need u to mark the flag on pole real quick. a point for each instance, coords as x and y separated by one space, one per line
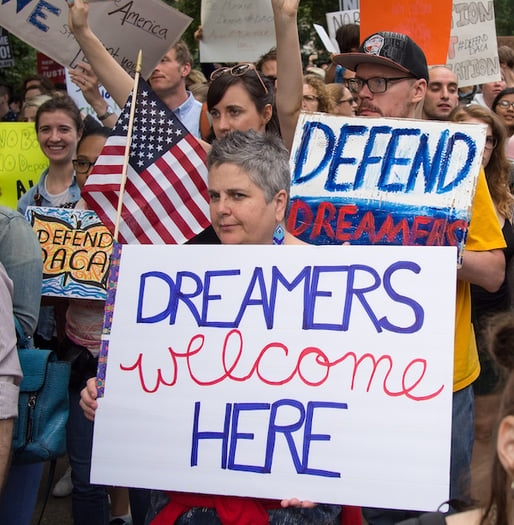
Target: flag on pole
165 200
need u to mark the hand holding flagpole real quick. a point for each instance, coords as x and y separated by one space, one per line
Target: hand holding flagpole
128 144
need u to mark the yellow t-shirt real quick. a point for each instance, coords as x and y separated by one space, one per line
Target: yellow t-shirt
484 234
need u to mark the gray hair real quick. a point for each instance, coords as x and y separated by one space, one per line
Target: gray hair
263 156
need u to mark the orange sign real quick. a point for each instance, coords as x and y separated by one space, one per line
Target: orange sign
428 23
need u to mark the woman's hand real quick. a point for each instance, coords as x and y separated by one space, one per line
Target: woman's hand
296 503
77 15
285 7
88 397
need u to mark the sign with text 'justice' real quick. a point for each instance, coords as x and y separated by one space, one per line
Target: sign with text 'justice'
383 181
317 372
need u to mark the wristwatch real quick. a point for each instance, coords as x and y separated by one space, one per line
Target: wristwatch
105 115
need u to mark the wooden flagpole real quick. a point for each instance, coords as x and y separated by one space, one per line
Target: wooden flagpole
127 145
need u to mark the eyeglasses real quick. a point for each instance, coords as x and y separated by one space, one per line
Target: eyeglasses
505 104
375 84
350 101
490 142
237 71
82 165
309 98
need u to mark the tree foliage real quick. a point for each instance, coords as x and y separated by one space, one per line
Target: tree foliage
24 63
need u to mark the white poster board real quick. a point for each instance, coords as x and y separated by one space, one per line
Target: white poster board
123 28
323 370
236 31
473 52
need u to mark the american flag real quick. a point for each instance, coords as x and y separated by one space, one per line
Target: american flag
165 200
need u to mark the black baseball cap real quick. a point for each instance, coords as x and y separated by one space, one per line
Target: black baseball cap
395 50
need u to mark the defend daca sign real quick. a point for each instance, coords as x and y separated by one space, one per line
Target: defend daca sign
383 181
270 371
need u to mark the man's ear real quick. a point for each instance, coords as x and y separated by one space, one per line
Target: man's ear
186 69
419 89
505 444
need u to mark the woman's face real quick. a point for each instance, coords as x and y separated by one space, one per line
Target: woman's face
506 113
57 136
88 152
28 114
237 111
488 150
238 208
310 98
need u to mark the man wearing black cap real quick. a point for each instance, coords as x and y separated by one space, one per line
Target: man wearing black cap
391 75
391 81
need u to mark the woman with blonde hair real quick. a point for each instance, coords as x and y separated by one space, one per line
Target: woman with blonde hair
315 95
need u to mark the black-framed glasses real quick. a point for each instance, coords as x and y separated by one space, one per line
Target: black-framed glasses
375 84
490 142
237 71
82 165
505 104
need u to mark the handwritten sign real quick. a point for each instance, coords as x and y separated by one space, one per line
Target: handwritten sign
123 26
76 250
473 53
341 18
383 181
270 371
426 22
235 31
21 161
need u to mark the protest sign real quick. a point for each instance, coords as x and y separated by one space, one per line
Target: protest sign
50 69
270 371
21 161
235 31
330 44
427 23
341 18
383 181
123 26
76 250
6 56
473 53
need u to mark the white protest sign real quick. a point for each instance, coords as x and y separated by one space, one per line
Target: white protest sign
383 181
76 94
123 26
235 31
330 45
317 372
473 53
340 18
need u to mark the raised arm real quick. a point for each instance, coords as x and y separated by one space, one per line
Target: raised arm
111 75
289 67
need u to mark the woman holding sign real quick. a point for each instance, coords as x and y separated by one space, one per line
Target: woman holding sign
248 186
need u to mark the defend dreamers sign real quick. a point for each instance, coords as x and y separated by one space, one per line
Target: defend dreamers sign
383 181
270 371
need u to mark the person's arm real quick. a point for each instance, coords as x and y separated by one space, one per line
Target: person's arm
289 68
486 269
111 75
6 429
84 77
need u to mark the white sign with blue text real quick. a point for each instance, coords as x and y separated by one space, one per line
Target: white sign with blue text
317 372
383 181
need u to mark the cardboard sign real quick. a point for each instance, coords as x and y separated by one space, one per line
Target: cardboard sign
473 52
428 23
317 372
21 161
76 252
235 31
123 26
383 181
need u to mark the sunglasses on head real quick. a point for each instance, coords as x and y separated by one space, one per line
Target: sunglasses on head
237 71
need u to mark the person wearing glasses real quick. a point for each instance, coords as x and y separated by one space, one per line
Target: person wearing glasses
503 106
488 385
391 77
315 96
343 102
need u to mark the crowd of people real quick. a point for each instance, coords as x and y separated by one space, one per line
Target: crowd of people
245 117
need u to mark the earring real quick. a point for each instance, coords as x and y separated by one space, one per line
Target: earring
278 235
